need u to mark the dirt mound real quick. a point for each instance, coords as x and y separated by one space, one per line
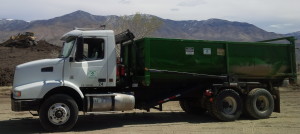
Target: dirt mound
10 57
22 40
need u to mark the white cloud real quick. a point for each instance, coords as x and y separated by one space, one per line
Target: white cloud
191 3
281 25
125 1
174 9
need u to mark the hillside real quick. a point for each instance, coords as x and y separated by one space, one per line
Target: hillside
213 29
10 57
295 34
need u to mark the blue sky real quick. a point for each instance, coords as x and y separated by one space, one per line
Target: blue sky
280 16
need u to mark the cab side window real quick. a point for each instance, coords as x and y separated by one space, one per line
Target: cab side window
93 49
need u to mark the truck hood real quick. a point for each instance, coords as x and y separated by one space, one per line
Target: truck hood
43 62
39 70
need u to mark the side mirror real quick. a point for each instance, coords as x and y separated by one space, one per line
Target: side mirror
79 49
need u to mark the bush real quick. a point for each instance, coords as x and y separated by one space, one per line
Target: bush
6 76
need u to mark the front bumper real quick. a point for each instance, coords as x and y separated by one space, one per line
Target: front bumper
24 105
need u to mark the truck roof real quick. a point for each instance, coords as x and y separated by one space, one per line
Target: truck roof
82 32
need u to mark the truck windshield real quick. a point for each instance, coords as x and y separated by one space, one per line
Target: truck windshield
67 47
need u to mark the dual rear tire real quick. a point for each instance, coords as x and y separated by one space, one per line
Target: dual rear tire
227 105
259 103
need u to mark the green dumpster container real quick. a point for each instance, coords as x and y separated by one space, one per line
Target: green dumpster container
175 60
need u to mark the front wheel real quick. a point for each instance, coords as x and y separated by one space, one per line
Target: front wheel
226 106
58 113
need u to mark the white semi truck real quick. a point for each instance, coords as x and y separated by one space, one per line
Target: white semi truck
215 76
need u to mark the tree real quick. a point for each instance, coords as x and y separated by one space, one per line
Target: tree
141 25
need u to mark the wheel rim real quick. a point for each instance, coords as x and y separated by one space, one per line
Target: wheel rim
262 103
229 105
59 113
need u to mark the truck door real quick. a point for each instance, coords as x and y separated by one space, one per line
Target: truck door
89 67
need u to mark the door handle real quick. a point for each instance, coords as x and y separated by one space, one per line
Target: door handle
101 80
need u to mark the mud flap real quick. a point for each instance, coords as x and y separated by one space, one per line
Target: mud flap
276 100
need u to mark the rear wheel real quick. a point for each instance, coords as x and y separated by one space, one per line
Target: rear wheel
259 103
191 106
227 105
58 113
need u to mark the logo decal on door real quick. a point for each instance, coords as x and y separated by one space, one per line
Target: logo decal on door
92 74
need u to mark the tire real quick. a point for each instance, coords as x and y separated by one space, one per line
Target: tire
226 105
58 113
259 103
191 107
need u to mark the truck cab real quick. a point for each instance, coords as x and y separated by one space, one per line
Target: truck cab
90 64
87 61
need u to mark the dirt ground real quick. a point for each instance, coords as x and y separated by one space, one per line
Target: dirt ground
170 121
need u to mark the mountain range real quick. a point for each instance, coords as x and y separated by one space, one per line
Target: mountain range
295 34
212 29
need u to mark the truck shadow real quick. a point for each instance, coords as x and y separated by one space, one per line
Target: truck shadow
20 125
107 121
99 122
